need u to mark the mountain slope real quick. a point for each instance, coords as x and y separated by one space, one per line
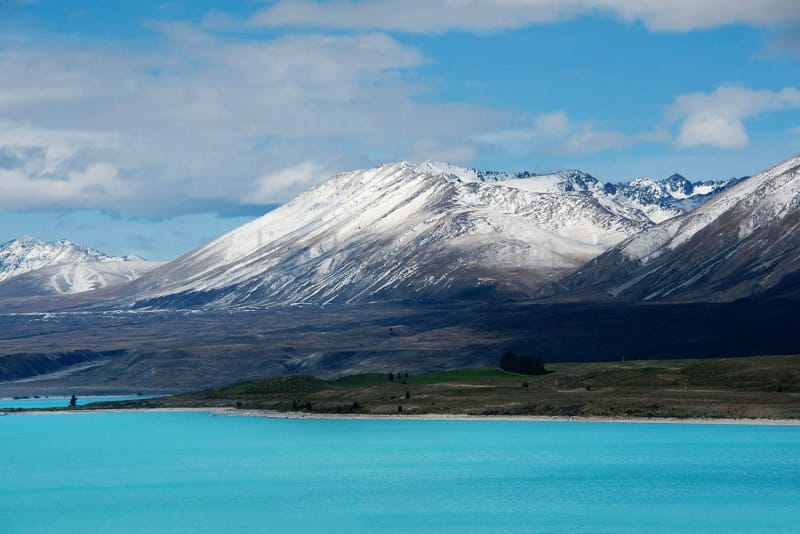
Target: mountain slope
396 232
668 198
31 267
28 253
656 201
742 243
71 278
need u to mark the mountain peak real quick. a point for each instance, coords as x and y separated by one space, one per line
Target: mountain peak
741 243
678 187
27 253
400 231
23 240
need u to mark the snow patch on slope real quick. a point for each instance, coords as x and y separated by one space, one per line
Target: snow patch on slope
31 266
421 229
27 254
768 196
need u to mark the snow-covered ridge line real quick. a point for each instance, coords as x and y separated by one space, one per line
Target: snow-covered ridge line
403 231
27 253
668 236
656 200
743 243
29 266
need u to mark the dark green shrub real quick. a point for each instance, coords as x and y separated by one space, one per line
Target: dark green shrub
524 365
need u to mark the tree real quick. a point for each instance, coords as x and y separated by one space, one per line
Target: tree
508 361
73 401
524 365
390 377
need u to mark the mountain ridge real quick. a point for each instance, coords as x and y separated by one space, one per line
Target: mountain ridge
402 231
31 267
396 230
741 243
658 200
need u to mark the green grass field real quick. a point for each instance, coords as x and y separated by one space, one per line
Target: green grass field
757 387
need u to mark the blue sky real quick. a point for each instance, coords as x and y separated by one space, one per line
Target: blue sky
150 127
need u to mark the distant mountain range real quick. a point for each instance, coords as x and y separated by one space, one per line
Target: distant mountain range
417 232
30 267
743 243
446 267
437 232
657 200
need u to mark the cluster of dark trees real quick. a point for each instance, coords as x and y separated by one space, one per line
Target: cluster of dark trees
524 365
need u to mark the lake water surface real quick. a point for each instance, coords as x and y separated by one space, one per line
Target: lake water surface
52 402
196 472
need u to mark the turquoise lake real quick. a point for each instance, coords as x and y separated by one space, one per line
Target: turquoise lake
51 402
197 472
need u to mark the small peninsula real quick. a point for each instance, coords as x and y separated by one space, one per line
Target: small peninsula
765 387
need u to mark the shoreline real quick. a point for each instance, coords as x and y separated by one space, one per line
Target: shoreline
272 414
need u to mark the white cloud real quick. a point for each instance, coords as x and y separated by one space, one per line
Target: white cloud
434 16
300 175
712 129
590 140
96 184
42 168
456 153
736 101
555 133
553 123
717 118
596 141
205 119
547 126
208 120
786 40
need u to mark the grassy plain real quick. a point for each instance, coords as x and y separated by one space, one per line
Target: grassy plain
752 387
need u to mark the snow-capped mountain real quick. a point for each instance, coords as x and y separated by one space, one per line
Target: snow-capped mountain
657 200
29 267
563 181
28 253
743 242
400 231
668 198
68 278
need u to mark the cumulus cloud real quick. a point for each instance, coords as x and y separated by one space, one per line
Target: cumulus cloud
42 168
459 153
717 118
556 133
596 141
201 121
300 175
545 126
434 16
712 129
206 120
97 183
590 140
787 40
